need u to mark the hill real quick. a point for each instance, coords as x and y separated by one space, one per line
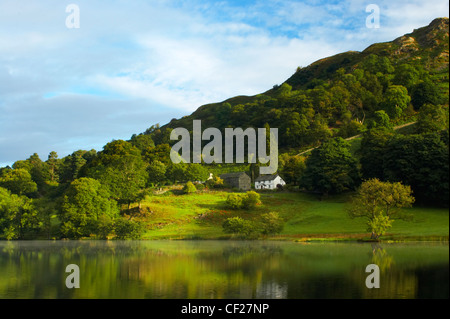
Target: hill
339 95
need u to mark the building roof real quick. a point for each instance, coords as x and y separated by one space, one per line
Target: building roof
231 175
264 178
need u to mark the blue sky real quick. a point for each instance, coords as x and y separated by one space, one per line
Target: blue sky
132 64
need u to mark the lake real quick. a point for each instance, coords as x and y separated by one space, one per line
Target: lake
222 270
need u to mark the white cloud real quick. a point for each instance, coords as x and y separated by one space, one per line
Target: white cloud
134 64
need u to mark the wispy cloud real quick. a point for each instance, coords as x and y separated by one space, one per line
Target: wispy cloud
132 64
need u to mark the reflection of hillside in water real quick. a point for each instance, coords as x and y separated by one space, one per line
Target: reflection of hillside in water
220 269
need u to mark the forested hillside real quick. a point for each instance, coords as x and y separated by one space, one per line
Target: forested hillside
341 95
354 93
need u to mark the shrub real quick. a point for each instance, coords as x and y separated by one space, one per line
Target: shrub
189 188
271 223
199 186
239 226
215 182
235 201
128 229
246 201
250 200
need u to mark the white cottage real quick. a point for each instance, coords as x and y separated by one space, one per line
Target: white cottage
269 181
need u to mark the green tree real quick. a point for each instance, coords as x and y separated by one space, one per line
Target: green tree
406 75
189 188
159 153
40 172
156 172
124 177
380 203
380 120
73 165
196 172
250 200
86 206
421 161
121 168
292 168
271 224
234 201
117 149
18 181
396 100
176 172
18 216
128 229
297 129
378 64
372 151
425 92
239 226
350 129
142 142
53 164
432 118
331 169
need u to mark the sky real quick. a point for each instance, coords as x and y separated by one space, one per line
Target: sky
131 64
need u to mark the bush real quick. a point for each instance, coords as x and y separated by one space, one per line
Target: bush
250 200
235 201
271 223
246 201
215 182
239 226
199 186
128 229
189 188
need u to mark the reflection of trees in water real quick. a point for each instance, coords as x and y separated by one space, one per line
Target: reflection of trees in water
381 257
206 270
395 282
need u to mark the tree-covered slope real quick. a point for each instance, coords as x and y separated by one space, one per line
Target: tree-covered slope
341 95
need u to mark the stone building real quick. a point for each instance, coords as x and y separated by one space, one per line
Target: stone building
238 180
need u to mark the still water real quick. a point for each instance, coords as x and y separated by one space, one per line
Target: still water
222 269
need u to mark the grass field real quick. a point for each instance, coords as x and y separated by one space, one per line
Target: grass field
200 216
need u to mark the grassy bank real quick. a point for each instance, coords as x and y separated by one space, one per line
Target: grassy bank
172 215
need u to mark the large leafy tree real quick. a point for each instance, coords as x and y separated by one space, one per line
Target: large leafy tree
331 169
425 92
124 177
406 75
420 161
142 142
156 172
72 165
292 168
86 209
18 216
159 153
396 100
372 152
18 181
380 203
121 169
432 118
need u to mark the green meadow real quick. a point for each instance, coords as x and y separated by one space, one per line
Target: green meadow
173 215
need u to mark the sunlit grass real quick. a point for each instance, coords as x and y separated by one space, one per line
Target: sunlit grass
200 216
